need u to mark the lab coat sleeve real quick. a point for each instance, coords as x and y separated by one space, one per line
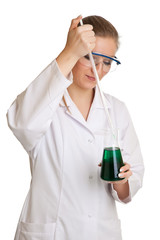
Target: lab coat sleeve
32 112
131 153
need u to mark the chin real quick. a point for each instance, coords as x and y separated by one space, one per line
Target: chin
89 86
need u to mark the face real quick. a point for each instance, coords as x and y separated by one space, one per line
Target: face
83 76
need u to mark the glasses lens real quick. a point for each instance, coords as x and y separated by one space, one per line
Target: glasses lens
85 61
109 65
113 66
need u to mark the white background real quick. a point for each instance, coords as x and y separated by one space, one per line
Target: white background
33 32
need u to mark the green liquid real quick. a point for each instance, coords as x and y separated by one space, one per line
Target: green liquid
111 164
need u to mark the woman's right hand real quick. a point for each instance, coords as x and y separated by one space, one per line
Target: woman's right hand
81 40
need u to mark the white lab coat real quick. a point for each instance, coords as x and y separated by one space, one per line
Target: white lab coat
67 199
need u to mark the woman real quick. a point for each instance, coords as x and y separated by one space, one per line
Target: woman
57 119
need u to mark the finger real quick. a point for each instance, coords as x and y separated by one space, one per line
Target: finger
86 27
90 43
92 46
87 36
125 168
75 22
92 39
125 174
87 32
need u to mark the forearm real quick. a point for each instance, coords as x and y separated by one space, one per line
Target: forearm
122 190
66 62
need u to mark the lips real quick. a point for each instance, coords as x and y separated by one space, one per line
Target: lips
91 78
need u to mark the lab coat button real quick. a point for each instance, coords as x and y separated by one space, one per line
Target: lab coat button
90 177
90 140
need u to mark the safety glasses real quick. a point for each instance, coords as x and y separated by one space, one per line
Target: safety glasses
108 63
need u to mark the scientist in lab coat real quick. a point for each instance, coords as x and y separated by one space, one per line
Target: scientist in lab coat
57 119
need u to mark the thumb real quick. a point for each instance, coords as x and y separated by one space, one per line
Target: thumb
75 22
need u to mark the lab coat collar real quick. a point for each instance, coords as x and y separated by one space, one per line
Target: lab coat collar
73 111
97 102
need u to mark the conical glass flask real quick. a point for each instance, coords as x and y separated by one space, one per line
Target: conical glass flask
112 159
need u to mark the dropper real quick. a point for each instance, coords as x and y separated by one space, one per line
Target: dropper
101 93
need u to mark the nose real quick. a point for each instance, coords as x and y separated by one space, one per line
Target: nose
99 67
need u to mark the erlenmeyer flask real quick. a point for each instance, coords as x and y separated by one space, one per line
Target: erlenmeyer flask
112 159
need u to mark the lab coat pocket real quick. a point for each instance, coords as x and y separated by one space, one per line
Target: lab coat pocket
36 231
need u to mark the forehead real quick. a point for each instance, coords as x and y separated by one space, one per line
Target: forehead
105 45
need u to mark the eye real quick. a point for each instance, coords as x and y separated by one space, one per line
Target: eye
86 57
107 63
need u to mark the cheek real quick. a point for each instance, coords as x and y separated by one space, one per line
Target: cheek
78 70
102 75
76 74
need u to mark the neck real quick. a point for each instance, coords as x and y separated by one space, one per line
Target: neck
80 95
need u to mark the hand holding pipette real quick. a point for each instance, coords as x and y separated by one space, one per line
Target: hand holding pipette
80 41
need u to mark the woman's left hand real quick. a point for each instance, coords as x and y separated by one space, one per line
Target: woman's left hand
125 172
